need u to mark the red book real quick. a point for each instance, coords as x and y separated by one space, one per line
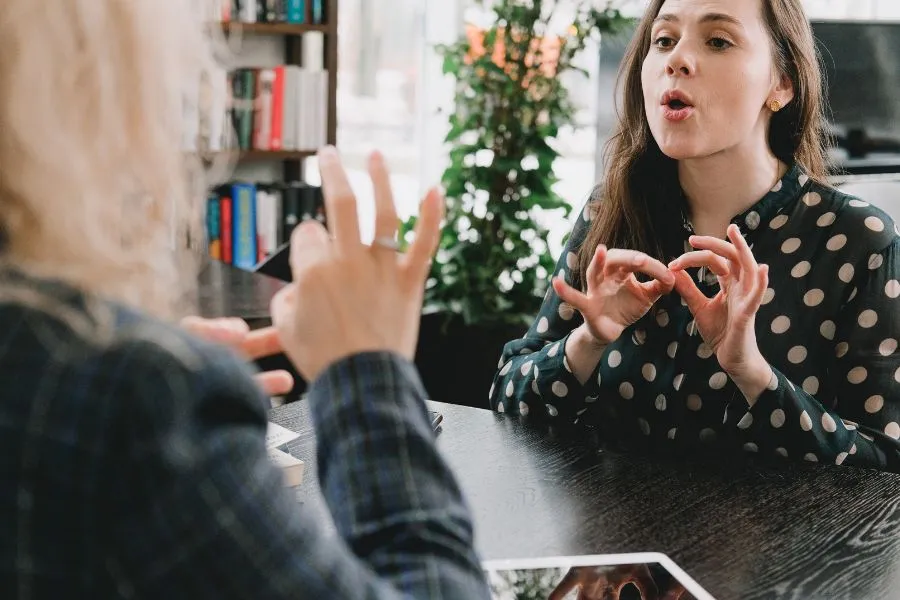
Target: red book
277 109
226 229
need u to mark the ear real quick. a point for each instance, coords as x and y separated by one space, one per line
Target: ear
783 90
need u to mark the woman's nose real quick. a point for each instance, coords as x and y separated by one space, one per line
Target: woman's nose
680 62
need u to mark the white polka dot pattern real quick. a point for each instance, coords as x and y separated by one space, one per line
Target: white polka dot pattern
827 325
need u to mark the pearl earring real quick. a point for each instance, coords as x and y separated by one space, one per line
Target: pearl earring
775 106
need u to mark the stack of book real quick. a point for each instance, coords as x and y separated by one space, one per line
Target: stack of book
247 222
267 11
278 108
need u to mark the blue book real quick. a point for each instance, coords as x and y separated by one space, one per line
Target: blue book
318 11
296 11
243 197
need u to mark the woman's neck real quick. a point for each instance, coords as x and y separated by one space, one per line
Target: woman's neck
726 184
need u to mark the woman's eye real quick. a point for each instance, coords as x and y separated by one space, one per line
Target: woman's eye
720 43
663 42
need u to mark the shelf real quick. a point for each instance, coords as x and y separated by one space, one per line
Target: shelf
262 155
274 28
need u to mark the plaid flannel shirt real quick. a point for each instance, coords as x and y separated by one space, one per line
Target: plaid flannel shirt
135 466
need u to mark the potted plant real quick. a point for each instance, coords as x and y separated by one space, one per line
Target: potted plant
492 266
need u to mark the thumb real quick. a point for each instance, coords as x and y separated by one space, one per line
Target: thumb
687 289
309 245
282 308
569 295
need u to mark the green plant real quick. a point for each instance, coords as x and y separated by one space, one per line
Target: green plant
493 264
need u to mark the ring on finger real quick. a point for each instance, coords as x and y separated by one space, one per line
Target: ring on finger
386 242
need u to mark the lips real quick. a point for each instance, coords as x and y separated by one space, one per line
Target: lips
676 100
676 106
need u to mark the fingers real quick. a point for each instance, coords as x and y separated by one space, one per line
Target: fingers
629 261
386 221
229 331
701 258
745 255
566 585
340 203
762 282
656 288
688 290
261 342
428 230
281 307
594 273
569 295
309 245
720 247
275 383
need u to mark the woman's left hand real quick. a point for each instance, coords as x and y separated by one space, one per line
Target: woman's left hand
236 334
726 321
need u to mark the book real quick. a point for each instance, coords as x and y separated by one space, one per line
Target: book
291 467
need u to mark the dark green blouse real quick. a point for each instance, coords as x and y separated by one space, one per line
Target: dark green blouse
829 327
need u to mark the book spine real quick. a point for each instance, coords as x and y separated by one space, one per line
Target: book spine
225 205
262 121
291 209
296 11
318 11
213 224
244 223
277 114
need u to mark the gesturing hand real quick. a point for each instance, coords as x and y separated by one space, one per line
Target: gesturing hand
606 583
251 344
345 297
615 298
726 321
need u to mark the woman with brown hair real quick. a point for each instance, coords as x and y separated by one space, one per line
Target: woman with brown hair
716 294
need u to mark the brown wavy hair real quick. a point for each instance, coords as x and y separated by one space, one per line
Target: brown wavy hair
635 203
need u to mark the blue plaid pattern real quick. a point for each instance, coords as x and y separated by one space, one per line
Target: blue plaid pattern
133 465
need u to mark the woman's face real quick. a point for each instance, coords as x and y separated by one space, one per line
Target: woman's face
708 77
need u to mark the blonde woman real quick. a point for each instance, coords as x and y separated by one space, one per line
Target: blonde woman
132 454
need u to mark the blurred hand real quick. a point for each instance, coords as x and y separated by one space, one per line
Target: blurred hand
236 334
727 320
346 297
615 298
606 582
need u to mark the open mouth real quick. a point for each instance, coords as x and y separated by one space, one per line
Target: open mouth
676 104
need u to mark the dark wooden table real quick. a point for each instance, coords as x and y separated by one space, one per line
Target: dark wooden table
752 532
226 291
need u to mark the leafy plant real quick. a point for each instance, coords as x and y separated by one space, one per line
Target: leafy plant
493 263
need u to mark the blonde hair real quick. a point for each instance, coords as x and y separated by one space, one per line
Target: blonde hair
95 188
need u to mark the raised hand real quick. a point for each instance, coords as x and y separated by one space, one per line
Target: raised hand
346 297
727 320
615 298
236 334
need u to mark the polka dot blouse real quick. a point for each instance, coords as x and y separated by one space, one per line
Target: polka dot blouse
829 327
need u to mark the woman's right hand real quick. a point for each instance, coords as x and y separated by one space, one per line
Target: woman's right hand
615 298
347 298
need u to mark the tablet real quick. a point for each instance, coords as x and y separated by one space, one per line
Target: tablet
278 265
644 576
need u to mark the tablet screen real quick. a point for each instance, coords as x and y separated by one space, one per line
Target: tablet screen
647 576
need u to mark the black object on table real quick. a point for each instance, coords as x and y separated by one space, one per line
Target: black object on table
227 291
748 532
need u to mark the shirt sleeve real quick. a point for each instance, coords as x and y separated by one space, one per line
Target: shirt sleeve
855 421
533 376
196 508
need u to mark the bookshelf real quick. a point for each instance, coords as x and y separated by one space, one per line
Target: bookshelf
292 33
268 118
